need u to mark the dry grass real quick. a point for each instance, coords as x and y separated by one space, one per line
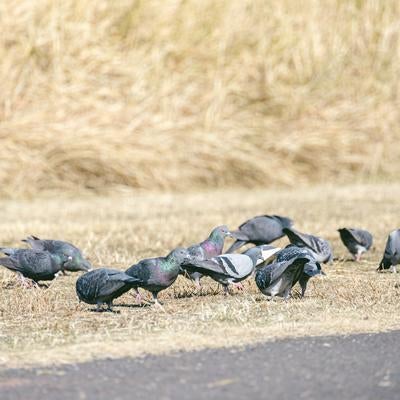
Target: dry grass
49 326
180 94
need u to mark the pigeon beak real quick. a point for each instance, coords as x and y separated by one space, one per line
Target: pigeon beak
322 273
86 266
232 235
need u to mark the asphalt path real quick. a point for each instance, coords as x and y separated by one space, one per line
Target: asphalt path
365 366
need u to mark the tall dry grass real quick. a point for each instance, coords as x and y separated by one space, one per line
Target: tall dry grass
185 93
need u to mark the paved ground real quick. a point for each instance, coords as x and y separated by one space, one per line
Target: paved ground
352 367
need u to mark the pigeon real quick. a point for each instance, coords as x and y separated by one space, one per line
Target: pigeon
310 269
156 274
34 265
357 241
103 285
319 248
229 269
263 229
391 256
75 262
278 278
211 247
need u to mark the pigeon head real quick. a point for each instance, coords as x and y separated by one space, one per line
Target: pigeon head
179 255
74 260
386 263
220 232
312 268
255 253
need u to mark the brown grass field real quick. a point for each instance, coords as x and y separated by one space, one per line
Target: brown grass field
43 326
185 94
130 127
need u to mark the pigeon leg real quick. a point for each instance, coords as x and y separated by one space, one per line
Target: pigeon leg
138 296
394 269
110 306
157 302
197 283
358 256
35 284
303 284
238 285
24 281
98 306
287 293
58 274
226 290
303 289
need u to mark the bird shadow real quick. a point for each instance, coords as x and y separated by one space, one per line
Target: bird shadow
143 305
344 259
104 310
12 286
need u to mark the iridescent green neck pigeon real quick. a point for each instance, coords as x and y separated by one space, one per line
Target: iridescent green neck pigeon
75 259
35 265
391 256
263 229
157 274
320 248
211 247
103 285
357 241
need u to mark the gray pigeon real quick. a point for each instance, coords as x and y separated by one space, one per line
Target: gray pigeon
75 260
320 248
229 269
35 265
263 229
310 269
103 285
211 247
357 241
391 256
156 274
278 278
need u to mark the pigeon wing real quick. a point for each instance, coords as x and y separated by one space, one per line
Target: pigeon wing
35 242
205 267
264 229
362 237
318 245
115 280
393 244
144 270
88 286
36 263
236 265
